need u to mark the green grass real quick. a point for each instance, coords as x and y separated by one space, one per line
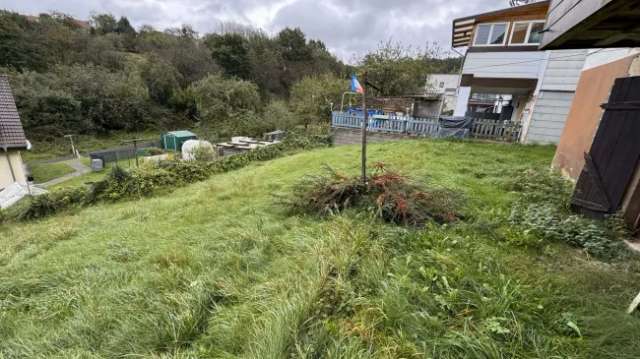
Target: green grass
219 269
83 143
43 172
91 177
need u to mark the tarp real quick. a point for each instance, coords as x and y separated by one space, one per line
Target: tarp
454 127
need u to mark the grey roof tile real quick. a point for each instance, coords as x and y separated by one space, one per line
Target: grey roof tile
11 131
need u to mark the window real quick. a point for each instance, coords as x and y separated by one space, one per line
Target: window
527 33
535 35
491 34
519 35
441 84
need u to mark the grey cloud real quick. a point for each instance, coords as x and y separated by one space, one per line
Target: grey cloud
347 27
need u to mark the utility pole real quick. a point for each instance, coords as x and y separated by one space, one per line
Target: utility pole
73 147
364 128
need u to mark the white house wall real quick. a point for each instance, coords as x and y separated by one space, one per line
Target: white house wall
563 70
500 64
11 169
549 116
559 81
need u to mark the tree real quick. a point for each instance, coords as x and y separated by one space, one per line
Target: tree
230 52
161 79
124 27
294 45
398 70
104 23
277 116
217 97
313 97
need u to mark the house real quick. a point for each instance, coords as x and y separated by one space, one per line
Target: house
12 139
599 146
445 87
504 65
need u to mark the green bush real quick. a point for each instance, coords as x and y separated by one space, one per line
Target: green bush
542 209
387 195
53 202
186 172
139 182
120 184
150 151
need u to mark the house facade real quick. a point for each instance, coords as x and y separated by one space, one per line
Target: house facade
503 62
599 146
12 139
445 87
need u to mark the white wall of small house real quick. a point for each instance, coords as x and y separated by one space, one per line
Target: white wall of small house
554 96
504 64
448 82
11 168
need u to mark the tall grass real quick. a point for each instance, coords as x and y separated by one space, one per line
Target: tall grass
218 269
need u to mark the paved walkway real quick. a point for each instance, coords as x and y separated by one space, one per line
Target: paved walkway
76 164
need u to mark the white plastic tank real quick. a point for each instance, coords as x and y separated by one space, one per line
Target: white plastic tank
191 148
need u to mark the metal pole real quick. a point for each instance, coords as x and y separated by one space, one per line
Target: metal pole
135 148
364 128
73 147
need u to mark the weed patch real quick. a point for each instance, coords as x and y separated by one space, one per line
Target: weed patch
542 211
387 195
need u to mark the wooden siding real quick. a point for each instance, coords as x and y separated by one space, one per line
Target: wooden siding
514 65
549 116
563 70
462 36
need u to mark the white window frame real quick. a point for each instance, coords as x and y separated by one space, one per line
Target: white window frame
506 33
526 39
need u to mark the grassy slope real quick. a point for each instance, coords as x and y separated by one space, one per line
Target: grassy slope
84 143
43 172
219 269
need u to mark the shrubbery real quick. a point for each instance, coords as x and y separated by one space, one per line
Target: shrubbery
542 209
387 195
120 184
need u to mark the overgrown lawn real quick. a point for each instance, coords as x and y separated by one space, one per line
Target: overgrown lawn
221 269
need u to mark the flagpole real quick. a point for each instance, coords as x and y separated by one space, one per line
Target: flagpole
364 128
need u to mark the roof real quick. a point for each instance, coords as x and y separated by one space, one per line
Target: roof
587 24
463 27
11 131
182 133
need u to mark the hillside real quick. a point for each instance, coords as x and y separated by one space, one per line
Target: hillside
220 269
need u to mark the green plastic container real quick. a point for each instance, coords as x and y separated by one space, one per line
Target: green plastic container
175 139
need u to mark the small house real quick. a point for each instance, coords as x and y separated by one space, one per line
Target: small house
175 139
12 139
503 61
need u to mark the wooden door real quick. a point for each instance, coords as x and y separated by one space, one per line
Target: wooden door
615 153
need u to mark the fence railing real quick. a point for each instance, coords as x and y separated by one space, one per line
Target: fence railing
498 130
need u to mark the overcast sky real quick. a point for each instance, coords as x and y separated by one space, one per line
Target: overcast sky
349 28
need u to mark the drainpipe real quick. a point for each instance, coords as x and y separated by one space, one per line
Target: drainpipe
464 60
